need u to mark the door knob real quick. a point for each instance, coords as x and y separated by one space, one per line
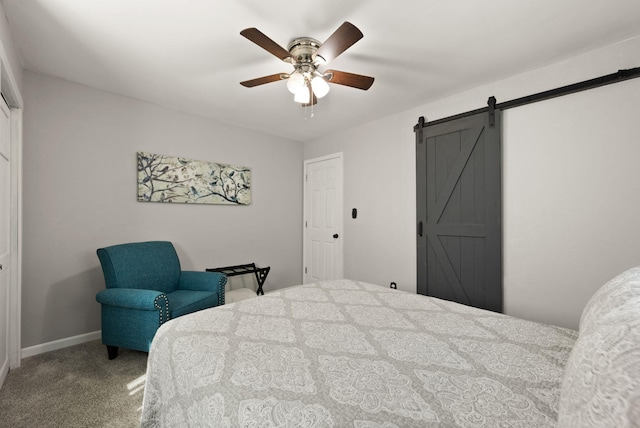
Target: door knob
335 236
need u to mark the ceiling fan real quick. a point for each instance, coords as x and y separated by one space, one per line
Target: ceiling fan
306 81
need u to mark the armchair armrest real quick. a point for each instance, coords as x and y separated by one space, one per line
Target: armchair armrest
202 281
132 298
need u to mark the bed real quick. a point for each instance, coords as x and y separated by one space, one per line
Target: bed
351 354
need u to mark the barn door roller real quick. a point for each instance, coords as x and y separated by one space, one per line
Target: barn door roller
492 111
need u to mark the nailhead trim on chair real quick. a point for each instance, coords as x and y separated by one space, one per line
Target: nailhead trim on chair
157 304
221 291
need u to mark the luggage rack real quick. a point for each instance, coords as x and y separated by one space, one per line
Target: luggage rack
260 273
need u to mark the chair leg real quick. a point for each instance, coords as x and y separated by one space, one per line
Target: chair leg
112 351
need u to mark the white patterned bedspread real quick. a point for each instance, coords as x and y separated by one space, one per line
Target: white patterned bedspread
350 354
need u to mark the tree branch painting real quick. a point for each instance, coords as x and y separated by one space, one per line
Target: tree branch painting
178 180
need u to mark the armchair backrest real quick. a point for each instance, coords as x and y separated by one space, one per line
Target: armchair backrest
152 265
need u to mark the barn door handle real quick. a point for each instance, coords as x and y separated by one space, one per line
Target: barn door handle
335 236
420 228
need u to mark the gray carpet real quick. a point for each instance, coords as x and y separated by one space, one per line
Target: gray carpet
75 387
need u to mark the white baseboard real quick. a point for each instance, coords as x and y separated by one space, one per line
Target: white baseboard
59 344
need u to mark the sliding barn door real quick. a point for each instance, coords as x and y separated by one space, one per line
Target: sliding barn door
459 251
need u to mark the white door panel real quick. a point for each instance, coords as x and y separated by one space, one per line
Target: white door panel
323 219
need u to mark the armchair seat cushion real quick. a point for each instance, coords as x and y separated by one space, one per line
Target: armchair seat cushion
183 302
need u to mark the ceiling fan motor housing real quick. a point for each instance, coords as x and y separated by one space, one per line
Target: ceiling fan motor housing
303 51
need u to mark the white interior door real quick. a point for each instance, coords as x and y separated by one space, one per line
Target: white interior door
5 237
323 195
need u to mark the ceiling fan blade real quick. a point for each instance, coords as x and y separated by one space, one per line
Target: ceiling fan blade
260 39
314 99
262 80
349 79
343 38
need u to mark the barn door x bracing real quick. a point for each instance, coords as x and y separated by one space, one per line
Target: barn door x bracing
458 172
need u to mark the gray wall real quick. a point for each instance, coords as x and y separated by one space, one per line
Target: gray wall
80 188
379 180
379 160
572 199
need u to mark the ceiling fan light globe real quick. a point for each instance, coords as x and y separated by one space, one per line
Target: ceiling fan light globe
302 96
295 82
320 86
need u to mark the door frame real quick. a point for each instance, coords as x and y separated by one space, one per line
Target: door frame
15 281
339 217
13 98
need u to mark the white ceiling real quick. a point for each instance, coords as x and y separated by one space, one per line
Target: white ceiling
188 54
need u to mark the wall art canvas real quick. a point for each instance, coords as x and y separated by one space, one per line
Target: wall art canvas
179 180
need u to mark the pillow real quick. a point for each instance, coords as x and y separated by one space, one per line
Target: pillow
614 294
601 384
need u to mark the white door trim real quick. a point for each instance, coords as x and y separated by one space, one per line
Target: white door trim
339 217
12 95
15 283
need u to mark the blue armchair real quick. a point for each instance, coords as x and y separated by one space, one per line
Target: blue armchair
146 288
